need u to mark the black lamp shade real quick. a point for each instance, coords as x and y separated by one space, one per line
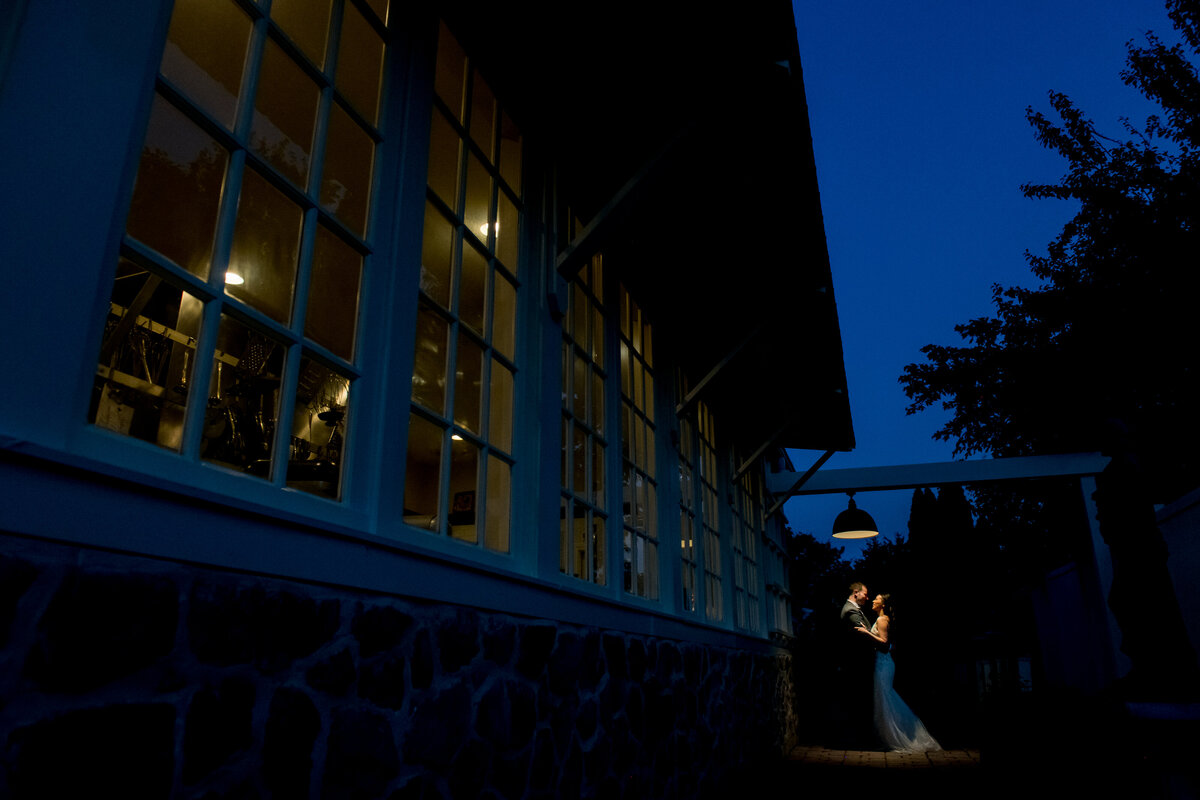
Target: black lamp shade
854 523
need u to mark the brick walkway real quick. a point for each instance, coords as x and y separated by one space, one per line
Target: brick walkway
944 759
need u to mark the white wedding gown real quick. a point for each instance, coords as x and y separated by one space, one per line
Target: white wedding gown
898 727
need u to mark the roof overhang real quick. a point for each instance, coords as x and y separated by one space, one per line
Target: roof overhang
684 138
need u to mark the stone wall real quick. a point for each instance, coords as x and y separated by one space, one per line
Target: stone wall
155 679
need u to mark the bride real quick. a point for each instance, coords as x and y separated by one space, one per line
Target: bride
898 727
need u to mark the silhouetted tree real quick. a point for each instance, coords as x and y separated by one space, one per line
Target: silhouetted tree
1108 332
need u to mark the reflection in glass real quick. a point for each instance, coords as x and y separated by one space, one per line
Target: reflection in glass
360 63
285 114
444 144
504 317
472 296
243 399
307 23
317 446
332 309
206 53
144 372
436 253
451 75
464 473
499 485
468 385
423 473
500 407
598 549
346 176
429 368
266 241
178 190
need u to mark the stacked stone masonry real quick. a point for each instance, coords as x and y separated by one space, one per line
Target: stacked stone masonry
138 678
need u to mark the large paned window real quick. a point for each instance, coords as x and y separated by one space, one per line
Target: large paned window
689 504
583 504
714 606
747 530
458 479
233 324
639 489
591 327
779 601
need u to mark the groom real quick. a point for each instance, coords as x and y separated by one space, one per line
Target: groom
858 670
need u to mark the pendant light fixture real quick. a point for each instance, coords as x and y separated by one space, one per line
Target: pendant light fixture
854 523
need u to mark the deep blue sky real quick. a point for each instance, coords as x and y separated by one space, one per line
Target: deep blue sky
921 142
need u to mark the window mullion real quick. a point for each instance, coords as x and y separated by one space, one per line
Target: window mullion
280 446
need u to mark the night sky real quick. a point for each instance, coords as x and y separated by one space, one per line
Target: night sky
918 122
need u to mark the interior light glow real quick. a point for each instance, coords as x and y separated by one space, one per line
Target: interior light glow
233 279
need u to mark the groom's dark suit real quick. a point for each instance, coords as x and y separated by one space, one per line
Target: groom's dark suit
858 671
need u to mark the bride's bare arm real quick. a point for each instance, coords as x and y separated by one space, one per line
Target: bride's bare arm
882 627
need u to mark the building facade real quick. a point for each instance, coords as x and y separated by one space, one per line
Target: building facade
391 393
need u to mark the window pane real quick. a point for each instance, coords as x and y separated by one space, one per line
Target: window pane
318 425
360 63
507 228
579 315
346 176
499 490
579 462
597 337
473 292
598 403
285 113
266 240
464 476
178 190
580 384
206 53
444 144
243 403
451 71
510 153
436 253
598 550
479 196
565 456
598 474
144 373
423 473
307 23
504 317
564 535
380 7
333 294
429 368
501 408
468 385
483 114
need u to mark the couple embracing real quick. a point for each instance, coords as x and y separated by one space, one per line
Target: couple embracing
868 670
